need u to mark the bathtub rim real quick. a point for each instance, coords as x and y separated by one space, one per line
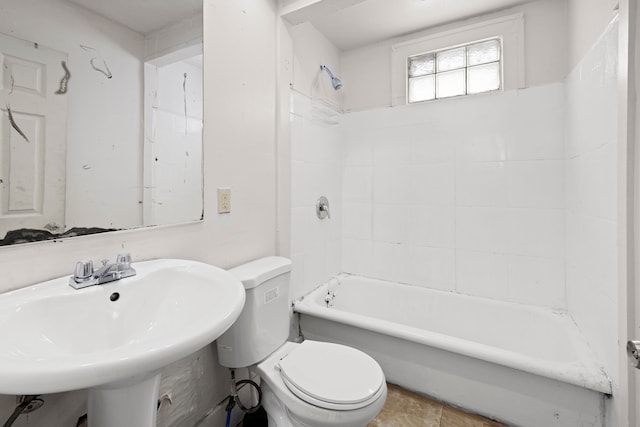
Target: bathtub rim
584 372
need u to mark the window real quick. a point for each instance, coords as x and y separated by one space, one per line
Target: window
462 70
482 56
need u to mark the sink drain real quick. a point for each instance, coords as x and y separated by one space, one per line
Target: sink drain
114 296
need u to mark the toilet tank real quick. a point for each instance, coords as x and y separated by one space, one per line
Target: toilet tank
263 325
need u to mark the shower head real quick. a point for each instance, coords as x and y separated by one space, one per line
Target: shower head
335 82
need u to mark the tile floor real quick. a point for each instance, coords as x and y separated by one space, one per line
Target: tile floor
404 408
407 409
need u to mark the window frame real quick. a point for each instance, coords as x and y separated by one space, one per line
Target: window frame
465 67
510 29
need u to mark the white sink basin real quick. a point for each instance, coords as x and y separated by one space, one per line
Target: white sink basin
55 338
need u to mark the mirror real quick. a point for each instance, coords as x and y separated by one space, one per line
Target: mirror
100 116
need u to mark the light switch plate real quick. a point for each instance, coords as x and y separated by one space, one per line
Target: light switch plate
224 200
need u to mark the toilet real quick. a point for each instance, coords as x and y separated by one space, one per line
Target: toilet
310 384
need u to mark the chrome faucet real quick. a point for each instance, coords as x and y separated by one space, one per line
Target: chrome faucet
85 276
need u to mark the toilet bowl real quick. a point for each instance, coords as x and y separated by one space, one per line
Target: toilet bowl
320 384
308 384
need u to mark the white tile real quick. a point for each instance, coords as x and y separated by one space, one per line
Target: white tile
310 181
357 220
481 274
392 261
582 184
303 142
532 137
315 271
393 147
481 184
391 223
322 144
537 281
299 184
536 232
536 184
432 145
369 119
408 115
482 229
334 257
592 250
298 289
331 227
392 184
432 225
357 184
434 267
592 182
358 147
476 145
599 329
433 183
357 257
300 225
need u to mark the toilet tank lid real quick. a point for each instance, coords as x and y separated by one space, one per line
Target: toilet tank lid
256 272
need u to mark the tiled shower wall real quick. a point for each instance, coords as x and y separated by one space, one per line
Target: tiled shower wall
476 195
316 153
463 195
590 176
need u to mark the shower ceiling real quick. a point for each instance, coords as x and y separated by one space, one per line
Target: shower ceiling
352 23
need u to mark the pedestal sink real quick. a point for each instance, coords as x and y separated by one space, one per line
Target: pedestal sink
113 338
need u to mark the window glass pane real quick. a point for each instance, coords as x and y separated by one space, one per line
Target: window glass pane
483 78
464 70
451 59
484 52
422 88
421 65
451 83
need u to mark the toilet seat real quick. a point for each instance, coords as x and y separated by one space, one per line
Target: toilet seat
332 376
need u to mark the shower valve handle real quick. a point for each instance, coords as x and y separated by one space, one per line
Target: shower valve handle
322 208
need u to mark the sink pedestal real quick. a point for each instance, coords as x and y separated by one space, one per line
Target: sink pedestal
126 403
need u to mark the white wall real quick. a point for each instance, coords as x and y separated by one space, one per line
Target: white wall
586 21
462 195
94 144
591 202
310 50
239 152
366 71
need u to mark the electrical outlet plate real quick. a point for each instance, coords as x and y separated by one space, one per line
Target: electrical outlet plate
224 200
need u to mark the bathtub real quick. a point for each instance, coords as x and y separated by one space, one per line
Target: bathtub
522 365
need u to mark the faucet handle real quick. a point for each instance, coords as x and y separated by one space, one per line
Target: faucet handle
84 270
124 259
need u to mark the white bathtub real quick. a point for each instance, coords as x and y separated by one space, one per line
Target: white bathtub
523 365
